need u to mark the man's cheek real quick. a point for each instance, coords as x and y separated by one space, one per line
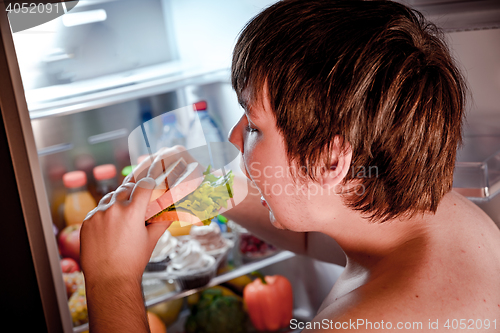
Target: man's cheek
243 167
254 170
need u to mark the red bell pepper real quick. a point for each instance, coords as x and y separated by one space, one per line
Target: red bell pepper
269 301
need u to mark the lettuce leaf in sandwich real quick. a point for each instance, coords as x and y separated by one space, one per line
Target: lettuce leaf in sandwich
207 200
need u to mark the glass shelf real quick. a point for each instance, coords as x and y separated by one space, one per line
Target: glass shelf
477 170
242 270
239 271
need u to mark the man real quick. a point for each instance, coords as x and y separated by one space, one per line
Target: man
353 114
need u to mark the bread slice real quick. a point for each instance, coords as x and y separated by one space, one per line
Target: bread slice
184 218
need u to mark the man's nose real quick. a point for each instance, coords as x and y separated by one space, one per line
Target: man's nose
236 134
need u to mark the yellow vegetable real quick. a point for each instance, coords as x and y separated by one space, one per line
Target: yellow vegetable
193 299
176 229
167 311
225 291
240 282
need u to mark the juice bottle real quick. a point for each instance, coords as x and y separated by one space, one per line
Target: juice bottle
78 200
86 163
58 195
105 176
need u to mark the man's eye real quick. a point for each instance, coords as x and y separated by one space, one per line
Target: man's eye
250 129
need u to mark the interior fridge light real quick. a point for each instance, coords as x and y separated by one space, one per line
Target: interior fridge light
90 16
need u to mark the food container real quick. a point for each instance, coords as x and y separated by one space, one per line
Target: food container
253 248
190 266
167 311
212 242
196 279
160 257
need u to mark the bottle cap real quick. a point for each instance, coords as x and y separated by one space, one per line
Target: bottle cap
222 219
127 170
200 106
105 171
74 179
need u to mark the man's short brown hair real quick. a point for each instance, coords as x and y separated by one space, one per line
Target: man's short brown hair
374 73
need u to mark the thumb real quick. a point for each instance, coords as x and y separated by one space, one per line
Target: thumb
141 194
155 231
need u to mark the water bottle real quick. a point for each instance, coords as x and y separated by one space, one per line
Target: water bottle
210 129
212 135
171 135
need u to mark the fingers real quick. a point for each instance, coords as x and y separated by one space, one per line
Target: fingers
106 199
158 167
141 194
129 179
138 194
155 164
123 192
165 158
154 233
141 170
90 214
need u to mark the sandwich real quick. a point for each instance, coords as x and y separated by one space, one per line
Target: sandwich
189 194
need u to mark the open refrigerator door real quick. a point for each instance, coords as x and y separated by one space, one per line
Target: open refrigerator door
90 87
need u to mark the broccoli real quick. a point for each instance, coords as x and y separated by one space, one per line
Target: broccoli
215 313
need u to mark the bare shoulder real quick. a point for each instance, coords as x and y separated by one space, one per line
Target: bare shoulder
403 313
454 204
468 224
454 286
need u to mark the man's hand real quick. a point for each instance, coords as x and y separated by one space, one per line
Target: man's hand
155 164
115 247
115 243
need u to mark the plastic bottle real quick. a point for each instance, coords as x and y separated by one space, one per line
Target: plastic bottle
222 222
58 195
105 176
86 163
171 135
212 136
210 129
78 200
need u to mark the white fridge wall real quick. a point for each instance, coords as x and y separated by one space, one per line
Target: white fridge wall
206 31
133 35
477 53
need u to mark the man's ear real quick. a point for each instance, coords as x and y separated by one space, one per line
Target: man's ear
340 163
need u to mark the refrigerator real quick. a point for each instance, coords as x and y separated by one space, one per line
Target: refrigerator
74 87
